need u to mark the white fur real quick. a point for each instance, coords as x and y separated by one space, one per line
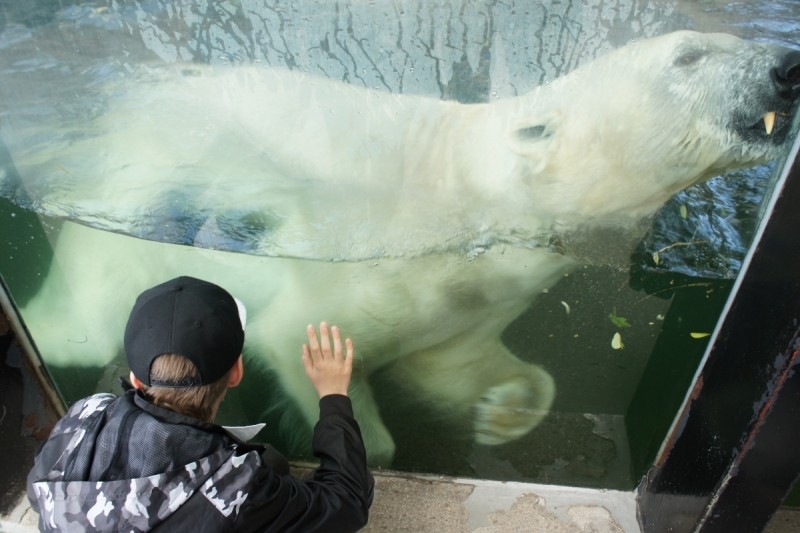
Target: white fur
417 183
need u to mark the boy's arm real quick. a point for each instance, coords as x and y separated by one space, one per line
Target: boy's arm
338 498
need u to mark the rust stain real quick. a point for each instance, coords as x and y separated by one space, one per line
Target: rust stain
41 434
698 387
29 420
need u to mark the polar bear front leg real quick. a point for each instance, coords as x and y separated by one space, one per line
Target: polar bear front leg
505 396
377 439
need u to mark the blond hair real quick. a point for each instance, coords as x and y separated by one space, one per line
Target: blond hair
199 402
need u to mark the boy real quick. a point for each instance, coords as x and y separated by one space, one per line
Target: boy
153 459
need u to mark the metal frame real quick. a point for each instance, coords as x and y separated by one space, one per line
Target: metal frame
23 336
730 458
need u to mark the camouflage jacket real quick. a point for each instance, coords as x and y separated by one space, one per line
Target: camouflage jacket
123 464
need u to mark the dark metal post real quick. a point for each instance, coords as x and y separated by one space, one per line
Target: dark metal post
733 457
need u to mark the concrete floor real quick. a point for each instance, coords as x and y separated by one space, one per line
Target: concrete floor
423 505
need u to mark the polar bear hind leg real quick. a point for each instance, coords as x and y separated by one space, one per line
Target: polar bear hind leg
506 397
511 409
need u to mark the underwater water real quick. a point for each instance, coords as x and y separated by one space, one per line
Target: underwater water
262 145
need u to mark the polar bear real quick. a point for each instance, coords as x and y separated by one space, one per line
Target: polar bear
421 227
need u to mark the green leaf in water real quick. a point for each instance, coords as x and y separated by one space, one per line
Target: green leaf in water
619 321
684 214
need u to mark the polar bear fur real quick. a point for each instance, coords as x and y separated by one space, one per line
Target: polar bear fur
442 212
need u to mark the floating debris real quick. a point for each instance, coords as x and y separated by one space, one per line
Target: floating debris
657 253
616 341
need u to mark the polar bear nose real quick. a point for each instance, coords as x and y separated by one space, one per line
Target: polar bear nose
786 77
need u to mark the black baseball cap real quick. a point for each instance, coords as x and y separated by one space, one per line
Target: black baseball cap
189 317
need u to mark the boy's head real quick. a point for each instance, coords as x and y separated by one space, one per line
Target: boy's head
183 343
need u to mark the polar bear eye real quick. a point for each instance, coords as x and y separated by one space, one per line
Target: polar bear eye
532 132
684 60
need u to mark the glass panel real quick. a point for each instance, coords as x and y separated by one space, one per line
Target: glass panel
528 215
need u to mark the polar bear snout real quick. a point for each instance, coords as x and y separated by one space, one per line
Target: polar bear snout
786 77
762 90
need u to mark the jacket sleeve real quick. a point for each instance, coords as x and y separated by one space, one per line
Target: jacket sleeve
338 497
54 454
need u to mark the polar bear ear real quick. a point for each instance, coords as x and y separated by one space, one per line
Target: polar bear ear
535 138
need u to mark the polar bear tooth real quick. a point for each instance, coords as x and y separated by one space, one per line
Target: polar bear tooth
769 121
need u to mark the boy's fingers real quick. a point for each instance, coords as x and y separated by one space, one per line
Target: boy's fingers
307 362
337 342
349 356
325 340
313 343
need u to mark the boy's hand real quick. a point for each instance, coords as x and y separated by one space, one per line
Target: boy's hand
328 371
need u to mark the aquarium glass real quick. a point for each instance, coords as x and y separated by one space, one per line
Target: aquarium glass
527 215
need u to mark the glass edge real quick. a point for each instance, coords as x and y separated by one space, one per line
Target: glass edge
775 194
43 378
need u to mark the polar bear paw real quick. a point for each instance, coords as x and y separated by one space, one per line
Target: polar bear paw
380 451
511 409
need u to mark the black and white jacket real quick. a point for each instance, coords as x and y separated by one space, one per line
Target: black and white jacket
122 464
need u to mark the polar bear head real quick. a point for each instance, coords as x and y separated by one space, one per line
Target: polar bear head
619 136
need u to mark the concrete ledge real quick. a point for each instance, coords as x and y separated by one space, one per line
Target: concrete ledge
431 504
